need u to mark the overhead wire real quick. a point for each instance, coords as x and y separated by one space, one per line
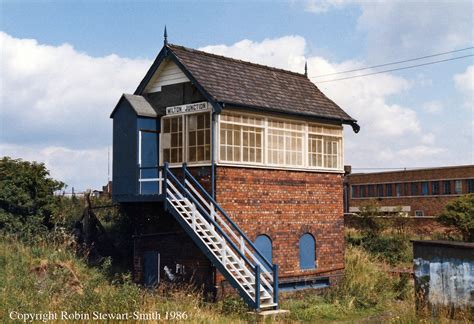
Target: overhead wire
396 69
393 63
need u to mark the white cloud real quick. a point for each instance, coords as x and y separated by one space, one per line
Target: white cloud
421 151
55 104
433 107
57 95
428 138
464 82
400 29
320 6
286 52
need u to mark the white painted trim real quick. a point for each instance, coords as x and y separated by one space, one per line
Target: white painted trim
356 209
271 167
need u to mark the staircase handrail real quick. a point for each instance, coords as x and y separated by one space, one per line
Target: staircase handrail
208 217
208 196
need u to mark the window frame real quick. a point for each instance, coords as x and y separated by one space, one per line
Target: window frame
241 162
185 139
305 135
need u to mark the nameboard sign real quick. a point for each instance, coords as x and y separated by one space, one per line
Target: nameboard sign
189 108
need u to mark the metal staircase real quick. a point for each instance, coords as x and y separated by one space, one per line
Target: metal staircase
221 240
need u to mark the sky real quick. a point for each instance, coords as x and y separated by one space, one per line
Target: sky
64 65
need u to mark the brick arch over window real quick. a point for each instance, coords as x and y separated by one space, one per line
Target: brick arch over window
307 249
264 244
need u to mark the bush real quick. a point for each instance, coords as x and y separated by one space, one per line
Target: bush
27 200
392 248
459 213
371 222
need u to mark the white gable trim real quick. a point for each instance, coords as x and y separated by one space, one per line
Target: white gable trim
167 73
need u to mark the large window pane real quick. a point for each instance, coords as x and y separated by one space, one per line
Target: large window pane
285 146
172 139
199 134
238 142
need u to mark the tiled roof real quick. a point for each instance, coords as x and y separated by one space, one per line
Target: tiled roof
239 83
141 106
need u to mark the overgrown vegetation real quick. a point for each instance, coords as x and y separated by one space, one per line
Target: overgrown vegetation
48 277
365 291
460 214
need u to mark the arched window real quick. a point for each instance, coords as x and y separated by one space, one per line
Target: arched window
264 244
307 252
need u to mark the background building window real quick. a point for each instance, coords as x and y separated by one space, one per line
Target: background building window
199 137
172 139
307 252
470 185
406 187
388 190
398 188
354 191
424 188
435 188
362 192
264 244
458 187
419 213
447 187
371 190
414 188
380 190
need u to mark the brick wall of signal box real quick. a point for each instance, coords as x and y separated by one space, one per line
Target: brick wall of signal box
284 205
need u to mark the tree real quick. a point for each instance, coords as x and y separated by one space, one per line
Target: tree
459 213
26 194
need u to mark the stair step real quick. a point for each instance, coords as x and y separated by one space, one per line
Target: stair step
267 305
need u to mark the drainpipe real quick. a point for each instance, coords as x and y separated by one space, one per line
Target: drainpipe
213 147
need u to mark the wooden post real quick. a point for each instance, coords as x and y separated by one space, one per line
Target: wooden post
165 184
275 284
257 287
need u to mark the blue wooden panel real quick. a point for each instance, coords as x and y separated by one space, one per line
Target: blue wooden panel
147 123
124 151
307 251
264 245
151 268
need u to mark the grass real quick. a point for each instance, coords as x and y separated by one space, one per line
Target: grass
365 291
47 276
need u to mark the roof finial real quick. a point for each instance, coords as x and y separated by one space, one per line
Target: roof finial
306 68
165 41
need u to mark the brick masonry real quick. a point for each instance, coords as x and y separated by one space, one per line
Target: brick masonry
431 204
284 205
281 204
